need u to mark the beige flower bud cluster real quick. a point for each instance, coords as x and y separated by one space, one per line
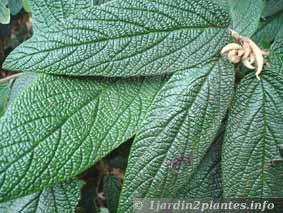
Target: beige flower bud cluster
245 51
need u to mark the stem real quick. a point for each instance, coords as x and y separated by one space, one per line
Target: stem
10 77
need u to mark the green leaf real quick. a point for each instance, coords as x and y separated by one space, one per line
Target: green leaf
206 182
15 6
57 8
223 3
59 126
269 29
179 129
4 97
252 165
272 7
61 198
111 189
246 15
127 38
49 12
277 49
4 12
20 84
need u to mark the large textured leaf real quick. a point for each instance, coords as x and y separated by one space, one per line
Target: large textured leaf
252 161
206 182
269 29
246 15
20 84
58 127
277 49
127 38
49 12
178 131
4 97
61 198
223 3
272 7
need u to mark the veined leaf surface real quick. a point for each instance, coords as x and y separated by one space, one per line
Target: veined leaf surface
178 131
246 15
59 126
126 38
62 197
252 155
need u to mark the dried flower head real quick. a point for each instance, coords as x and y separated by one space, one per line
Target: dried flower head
246 51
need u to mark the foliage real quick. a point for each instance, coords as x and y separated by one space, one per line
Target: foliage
101 73
62 197
4 97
